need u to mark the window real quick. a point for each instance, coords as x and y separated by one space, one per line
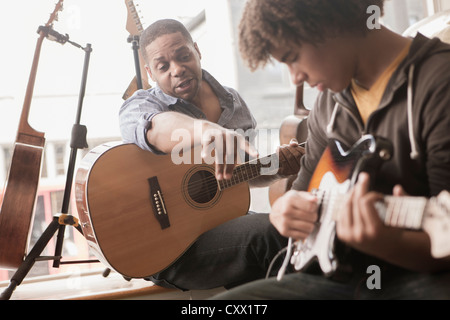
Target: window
401 14
60 152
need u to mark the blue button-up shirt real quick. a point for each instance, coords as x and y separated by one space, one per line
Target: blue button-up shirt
137 112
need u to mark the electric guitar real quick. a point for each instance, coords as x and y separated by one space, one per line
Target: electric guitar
17 210
335 174
135 28
139 211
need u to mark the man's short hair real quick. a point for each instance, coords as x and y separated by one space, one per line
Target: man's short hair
269 23
160 28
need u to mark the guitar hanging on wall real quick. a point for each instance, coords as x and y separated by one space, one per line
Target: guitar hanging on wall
17 210
135 28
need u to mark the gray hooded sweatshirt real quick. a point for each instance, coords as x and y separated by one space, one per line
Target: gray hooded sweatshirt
414 114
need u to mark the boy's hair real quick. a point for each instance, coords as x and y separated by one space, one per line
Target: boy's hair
269 23
160 28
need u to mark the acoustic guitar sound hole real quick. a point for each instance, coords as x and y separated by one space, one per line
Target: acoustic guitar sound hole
202 186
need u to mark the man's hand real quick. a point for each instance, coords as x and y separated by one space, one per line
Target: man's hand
289 158
226 147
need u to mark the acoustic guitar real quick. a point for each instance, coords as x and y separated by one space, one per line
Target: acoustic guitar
135 28
17 210
140 211
335 174
293 126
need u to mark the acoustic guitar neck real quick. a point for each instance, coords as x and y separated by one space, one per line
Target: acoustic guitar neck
26 134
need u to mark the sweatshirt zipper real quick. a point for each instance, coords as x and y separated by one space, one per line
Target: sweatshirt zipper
357 117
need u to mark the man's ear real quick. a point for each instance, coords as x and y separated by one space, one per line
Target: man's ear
198 50
149 71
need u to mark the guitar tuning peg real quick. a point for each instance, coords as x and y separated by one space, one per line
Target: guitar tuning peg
61 5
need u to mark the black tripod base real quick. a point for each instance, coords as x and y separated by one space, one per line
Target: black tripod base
7 293
35 253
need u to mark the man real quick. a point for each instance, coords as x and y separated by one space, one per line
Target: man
189 98
372 81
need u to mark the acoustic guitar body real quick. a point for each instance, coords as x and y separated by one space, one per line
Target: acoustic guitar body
17 209
140 211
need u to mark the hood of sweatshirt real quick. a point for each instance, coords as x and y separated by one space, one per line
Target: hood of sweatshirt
412 114
422 49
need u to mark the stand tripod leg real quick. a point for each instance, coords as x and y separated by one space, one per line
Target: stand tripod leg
29 261
78 141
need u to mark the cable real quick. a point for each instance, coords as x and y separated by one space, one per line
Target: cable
287 249
282 270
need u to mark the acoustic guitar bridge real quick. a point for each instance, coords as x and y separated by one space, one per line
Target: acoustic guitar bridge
157 200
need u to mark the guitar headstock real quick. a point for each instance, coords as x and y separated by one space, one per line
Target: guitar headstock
437 224
54 15
135 28
134 24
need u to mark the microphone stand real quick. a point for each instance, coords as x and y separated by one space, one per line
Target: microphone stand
78 141
135 46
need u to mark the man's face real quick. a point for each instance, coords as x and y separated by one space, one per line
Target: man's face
174 64
328 65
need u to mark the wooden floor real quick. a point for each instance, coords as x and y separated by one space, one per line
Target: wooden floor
92 285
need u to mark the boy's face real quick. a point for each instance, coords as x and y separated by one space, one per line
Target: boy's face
328 65
174 64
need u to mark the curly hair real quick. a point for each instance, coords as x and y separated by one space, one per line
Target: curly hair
269 23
